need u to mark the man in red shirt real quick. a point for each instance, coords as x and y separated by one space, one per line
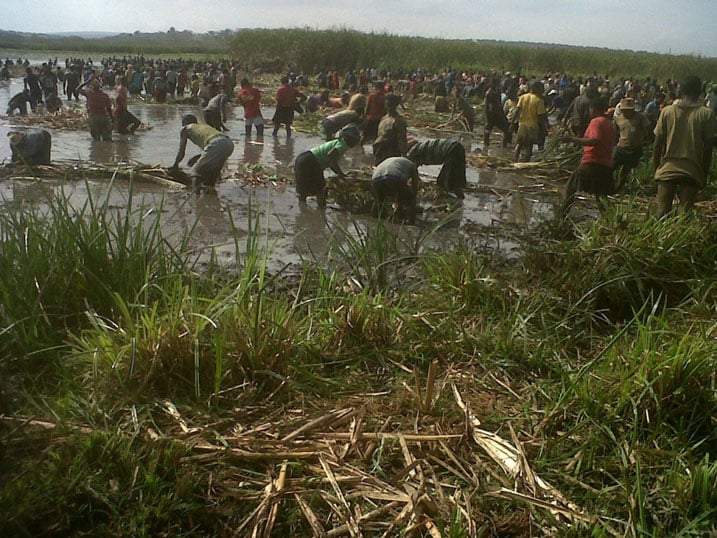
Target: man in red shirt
250 98
594 173
99 110
287 96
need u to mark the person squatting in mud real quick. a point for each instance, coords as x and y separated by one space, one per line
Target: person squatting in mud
309 166
31 148
395 183
19 102
216 149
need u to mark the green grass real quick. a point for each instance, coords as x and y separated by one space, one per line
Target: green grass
595 349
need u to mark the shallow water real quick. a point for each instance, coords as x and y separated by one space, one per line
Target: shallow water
290 232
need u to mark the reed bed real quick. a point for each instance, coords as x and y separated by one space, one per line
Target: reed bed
390 389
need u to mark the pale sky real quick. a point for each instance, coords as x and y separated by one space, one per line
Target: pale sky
670 26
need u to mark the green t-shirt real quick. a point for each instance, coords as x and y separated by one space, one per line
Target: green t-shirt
322 152
685 128
201 134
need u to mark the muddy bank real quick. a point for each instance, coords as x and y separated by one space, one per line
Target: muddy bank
258 188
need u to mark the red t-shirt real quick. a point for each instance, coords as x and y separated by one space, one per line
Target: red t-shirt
249 97
286 95
603 129
97 102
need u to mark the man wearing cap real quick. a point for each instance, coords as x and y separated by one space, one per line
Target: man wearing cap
684 137
216 149
631 126
99 110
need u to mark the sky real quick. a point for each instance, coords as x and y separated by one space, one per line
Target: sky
667 26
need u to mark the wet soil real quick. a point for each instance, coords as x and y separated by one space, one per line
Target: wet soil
258 194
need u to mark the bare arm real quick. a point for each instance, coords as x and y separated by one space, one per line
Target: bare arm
334 157
182 147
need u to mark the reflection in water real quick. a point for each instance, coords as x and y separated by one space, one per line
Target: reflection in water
283 154
211 214
100 152
310 232
252 151
122 148
519 209
29 191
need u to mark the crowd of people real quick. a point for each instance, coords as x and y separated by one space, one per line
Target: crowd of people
612 120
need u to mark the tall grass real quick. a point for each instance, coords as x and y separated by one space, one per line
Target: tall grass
306 49
59 261
597 351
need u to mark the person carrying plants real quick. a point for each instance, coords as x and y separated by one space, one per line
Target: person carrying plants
594 173
684 138
309 166
216 149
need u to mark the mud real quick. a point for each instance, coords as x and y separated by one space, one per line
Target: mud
258 192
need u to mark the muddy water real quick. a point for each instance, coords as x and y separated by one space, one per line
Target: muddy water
290 234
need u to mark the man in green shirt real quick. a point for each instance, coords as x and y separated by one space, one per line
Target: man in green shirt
632 126
309 166
684 137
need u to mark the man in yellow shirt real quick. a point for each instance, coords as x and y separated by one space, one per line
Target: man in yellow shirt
529 115
216 149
